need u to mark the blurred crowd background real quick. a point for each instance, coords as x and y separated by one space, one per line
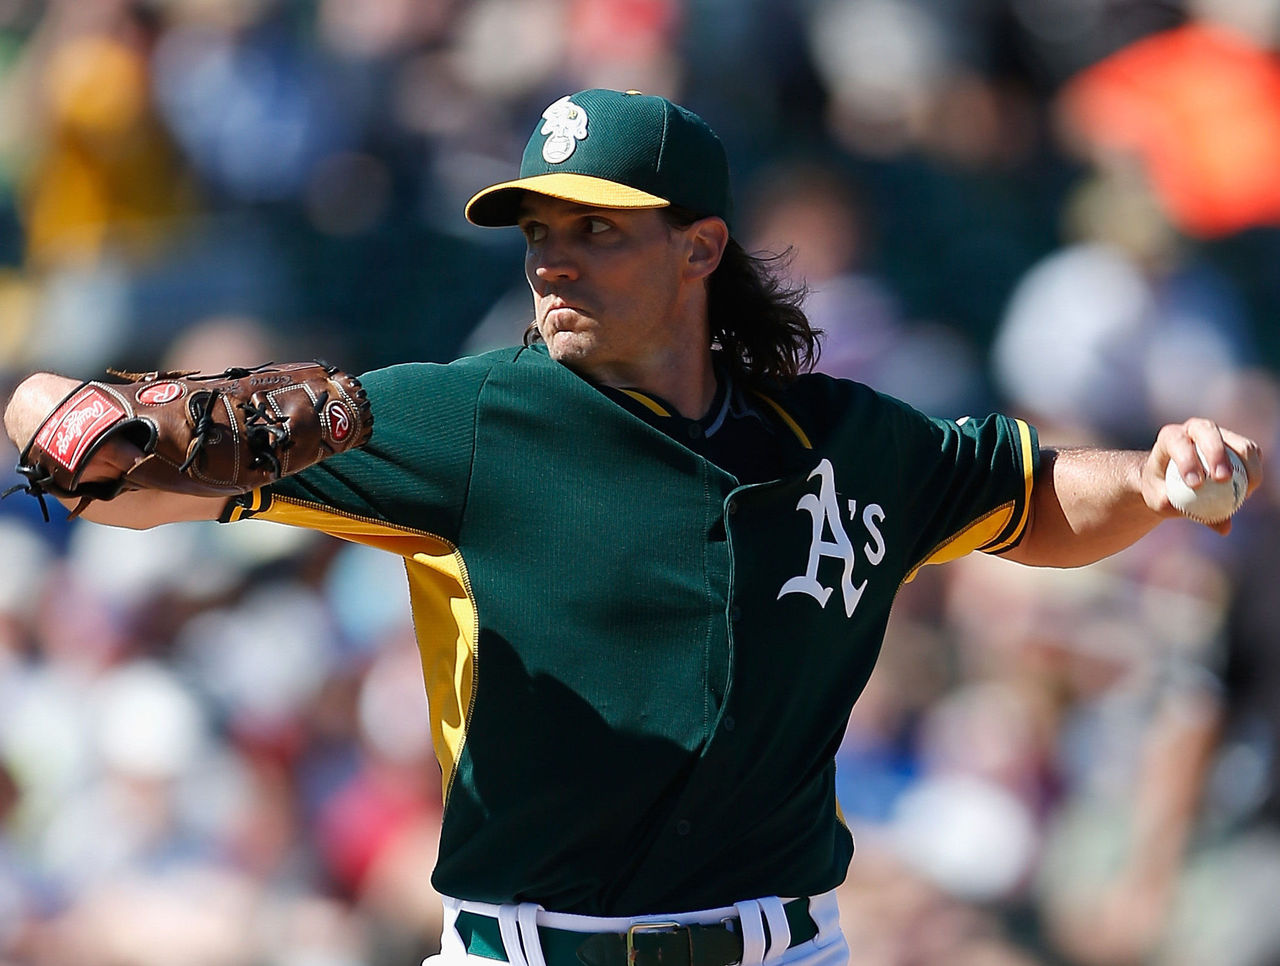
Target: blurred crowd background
214 747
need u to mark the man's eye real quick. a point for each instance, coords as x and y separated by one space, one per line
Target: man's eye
597 225
535 233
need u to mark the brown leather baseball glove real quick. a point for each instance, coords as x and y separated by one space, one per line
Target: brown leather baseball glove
204 434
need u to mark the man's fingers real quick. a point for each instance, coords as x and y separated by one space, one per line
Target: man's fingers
1250 454
113 459
1179 445
1182 441
1207 438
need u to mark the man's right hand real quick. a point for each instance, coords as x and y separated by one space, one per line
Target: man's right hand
29 406
31 402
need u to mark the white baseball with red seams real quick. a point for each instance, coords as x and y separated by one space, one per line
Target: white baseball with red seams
1214 500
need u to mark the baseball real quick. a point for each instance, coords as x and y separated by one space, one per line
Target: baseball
1214 500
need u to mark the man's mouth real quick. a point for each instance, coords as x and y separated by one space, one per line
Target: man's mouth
562 314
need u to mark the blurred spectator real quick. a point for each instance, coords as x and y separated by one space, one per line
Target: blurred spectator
882 60
101 188
1050 41
254 108
1178 868
813 215
103 178
1117 332
891 915
380 829
1160 102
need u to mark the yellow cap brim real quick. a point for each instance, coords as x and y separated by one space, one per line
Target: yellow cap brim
498 205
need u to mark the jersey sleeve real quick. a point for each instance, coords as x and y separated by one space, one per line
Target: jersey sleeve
414 472
946 487
969 484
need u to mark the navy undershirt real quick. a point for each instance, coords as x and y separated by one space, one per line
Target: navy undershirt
739 433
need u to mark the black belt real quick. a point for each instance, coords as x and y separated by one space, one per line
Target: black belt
644 944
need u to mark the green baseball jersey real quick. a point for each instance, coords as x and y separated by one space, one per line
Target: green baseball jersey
639 668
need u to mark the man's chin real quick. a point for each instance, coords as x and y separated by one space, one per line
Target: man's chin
568 347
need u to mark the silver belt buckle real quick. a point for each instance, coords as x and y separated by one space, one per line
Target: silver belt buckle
657 927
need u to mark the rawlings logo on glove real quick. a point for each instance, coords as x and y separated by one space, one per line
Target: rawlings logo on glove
204 434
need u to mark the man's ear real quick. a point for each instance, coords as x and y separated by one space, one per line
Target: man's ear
708 238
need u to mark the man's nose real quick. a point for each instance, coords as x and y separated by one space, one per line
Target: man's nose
553 260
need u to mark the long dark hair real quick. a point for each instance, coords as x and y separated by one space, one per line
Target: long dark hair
754 311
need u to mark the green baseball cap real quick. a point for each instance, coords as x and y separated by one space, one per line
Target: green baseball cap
615 149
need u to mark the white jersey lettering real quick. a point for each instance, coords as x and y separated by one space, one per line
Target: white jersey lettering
825 511
872 514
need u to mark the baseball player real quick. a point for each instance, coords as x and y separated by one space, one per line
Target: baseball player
650 559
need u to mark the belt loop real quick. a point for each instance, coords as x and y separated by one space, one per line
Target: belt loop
752 932
451 945
509 926
527 919
779 928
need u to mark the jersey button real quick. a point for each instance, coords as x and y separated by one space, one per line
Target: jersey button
695 431
733 507
735 613
729 723
683 827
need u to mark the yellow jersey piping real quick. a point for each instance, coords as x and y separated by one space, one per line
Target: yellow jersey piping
786 418
645 401
1028 482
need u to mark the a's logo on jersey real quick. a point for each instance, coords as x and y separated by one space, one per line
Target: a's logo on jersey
566 126
831 539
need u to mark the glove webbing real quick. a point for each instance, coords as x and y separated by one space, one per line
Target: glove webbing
37 480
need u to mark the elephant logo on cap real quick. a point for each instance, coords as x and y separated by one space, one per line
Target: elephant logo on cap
566 126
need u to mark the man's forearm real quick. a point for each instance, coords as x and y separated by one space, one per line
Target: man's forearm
1090 503
1087 504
